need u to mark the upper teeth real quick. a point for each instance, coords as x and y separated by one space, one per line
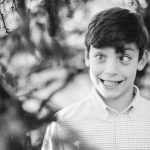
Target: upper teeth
110 83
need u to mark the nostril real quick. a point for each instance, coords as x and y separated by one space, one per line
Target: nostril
111 69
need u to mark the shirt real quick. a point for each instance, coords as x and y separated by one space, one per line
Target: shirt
91 125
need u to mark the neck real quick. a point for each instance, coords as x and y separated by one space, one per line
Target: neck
121 102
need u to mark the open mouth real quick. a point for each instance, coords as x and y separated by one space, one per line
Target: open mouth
109 83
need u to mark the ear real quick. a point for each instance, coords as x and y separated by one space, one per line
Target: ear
143 61
86 58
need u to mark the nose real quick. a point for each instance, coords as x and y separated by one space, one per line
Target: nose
111 67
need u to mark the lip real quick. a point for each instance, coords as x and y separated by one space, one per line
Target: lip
111 83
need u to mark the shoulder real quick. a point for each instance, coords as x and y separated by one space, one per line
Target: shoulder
75 110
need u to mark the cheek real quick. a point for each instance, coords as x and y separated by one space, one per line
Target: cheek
129 72
96 69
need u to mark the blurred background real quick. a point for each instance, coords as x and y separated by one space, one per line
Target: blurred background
42 63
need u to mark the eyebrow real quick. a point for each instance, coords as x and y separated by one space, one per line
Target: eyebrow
129 49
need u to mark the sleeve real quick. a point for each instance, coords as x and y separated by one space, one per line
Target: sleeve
51 141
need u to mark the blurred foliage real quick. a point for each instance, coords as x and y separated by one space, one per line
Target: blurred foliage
42 43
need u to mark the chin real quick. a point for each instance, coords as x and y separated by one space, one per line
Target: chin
109 93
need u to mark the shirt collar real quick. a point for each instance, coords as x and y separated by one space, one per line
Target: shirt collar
103 108
99 103
135 99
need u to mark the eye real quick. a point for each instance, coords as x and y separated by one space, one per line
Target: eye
125 59
100 57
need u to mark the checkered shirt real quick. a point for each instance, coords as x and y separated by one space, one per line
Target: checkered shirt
91 125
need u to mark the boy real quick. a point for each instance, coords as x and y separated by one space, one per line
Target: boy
114 116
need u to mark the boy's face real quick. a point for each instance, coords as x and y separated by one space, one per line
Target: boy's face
113 74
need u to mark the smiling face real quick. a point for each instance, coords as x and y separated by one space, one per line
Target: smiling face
113 74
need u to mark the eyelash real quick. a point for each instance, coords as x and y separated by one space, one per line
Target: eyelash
102 59
127 61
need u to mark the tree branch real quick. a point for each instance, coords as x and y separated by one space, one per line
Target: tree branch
2 16
67 80
2 2
15 5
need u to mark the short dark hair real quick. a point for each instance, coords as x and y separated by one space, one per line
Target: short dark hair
116 26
